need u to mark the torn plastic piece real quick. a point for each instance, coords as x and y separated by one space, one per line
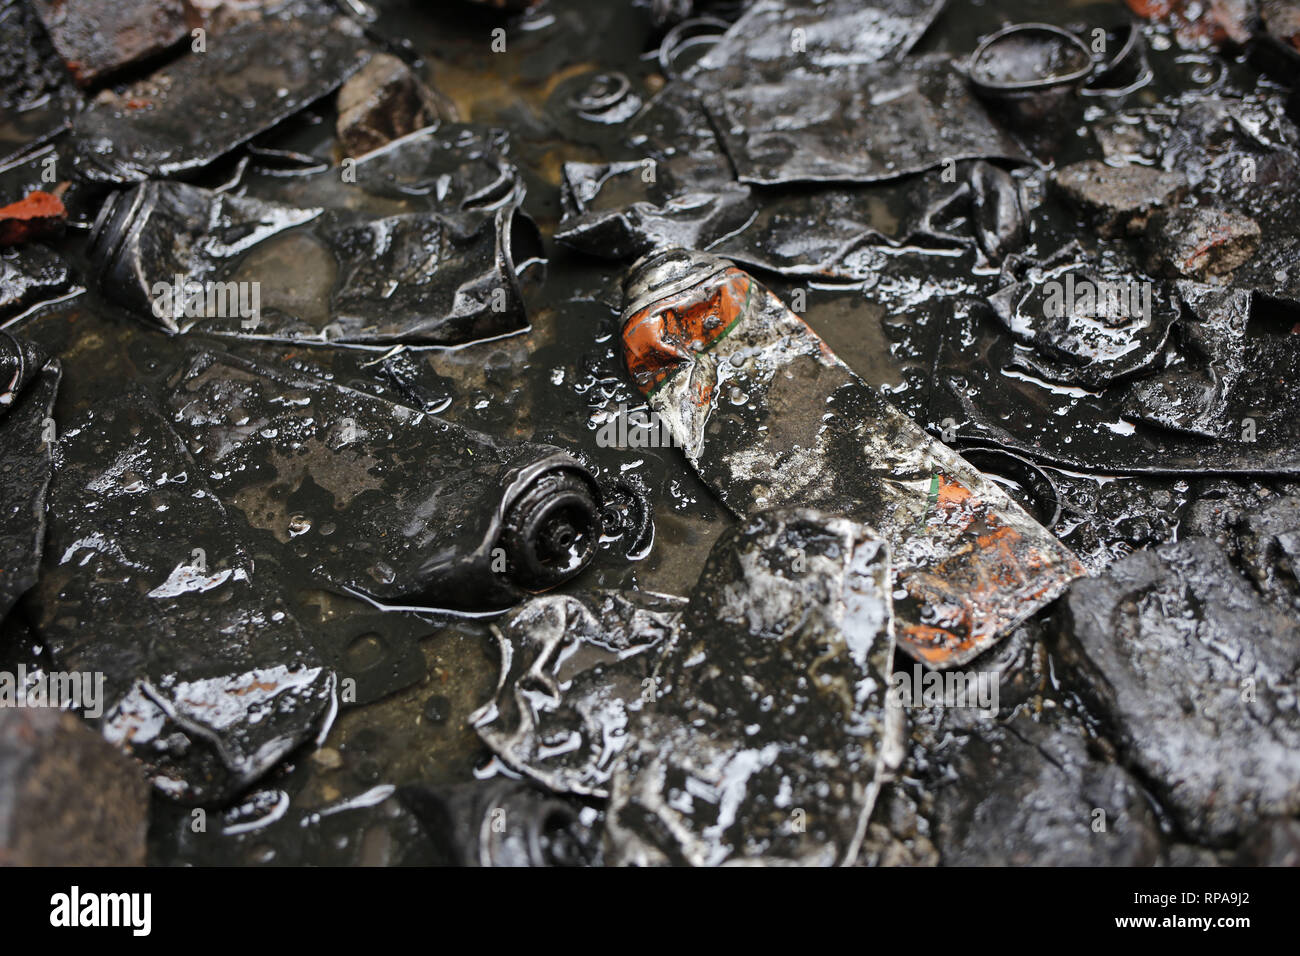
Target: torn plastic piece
605 214
383 499
148 236
826 233
1193 398
772 708
574 669
769 417
843 232
201 107
1086 325
984 387
208 680
774 36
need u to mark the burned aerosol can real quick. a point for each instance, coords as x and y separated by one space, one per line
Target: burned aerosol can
384 500
769 417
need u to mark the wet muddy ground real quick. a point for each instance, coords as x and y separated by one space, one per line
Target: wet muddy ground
1119 438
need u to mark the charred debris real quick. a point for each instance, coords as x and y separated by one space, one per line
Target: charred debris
649 433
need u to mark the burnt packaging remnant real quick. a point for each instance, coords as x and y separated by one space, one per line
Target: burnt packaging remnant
445 273
28 387
1086 325
1214 397
204 105
383 499
771 704
758 45
574 670
208 680
610 211
770 417
858 123
154 237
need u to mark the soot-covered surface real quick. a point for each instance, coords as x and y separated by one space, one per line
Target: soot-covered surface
956 523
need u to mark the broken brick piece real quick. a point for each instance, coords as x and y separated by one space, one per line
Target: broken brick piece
1198 243
67 796
36 217
97 39
1119 199
383 101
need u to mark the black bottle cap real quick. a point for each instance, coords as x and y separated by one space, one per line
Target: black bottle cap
551 530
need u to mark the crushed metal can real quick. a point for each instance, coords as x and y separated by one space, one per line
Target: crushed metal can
177 254
772 694
770 417
384 500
